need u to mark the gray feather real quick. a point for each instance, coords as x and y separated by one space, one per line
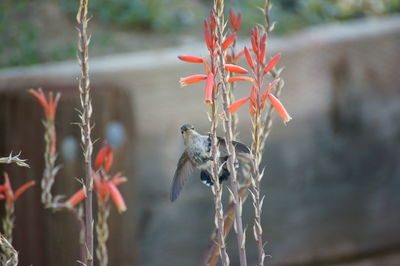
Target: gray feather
239 147
183 171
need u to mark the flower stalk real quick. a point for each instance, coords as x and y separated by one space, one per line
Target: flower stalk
217 188
234 186
49 105
85 124
9 256
102 232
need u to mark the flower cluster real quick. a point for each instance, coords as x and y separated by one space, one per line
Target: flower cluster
259 70
49 105
212 46
7 193
104 186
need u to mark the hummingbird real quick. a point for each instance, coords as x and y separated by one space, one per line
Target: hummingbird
197 154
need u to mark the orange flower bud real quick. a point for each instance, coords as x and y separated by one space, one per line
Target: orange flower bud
228 41
208 94
192 79
23 188
237 104
238 22
104 157
235 69
75 199
240 78
272 63
191 59
279 108
248 57
117 197
49 105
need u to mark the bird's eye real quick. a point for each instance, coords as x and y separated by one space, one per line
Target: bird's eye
192 128
181 131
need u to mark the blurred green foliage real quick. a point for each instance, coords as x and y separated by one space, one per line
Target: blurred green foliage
153 15
21 39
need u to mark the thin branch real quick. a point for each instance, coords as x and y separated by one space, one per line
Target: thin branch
217 188
219 8
9 256
14 159
85 124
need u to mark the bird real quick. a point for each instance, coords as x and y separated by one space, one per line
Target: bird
197 154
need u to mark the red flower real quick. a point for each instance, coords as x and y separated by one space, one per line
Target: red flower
267 91
240 78
50 105
7 192
235 69
262 48
208 94
228 41
237 104
272 63
235 21
104 189
116 197
191 59
104 157
279 108
75 198
192 79
248 57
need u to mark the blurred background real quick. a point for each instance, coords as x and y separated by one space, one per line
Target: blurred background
332 174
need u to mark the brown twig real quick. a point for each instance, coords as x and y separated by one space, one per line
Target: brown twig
85 124
234 186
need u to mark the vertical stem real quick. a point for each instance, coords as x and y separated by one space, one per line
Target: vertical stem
219 7
256 189
217 188
85 115
102 233
50 170
8 222
9 256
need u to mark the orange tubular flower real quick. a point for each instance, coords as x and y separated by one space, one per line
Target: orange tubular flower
267 91
248 57
237 104
238 56
75 199
262 48
272 63
235 21
235 69
104 157
228 41
104 189
192 79
49 106
116 197
240 78
191 59
208 94
279 108
8 193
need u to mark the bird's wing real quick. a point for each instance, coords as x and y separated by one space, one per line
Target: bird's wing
183 170
239 147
